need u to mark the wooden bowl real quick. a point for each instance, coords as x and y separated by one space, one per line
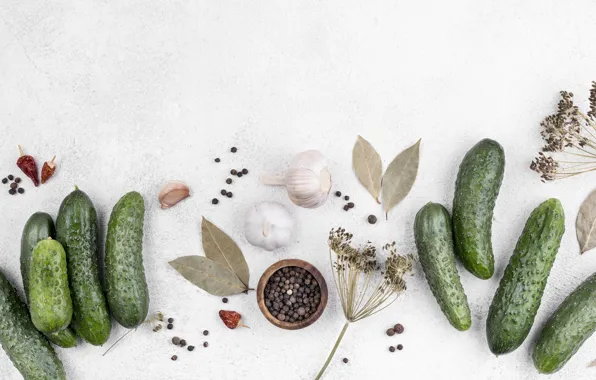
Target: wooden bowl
292 263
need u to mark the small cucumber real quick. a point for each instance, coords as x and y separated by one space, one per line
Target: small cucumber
40 226
49 296
567 329
516 302
28 350
434 241
476 190
76 229
126 286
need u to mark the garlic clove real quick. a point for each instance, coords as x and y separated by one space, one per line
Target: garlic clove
172 193
269 225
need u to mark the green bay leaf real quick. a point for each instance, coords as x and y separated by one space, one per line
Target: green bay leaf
368 166
208 275
400 176
221 248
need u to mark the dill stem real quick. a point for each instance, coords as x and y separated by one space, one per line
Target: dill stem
337 342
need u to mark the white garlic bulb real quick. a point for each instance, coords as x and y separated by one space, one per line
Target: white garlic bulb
269 225
308 180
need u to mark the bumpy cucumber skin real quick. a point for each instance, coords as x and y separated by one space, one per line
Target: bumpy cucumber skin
126 286
516 302
476 190
567 329
40 226
434 241
28 350
49 296
76 229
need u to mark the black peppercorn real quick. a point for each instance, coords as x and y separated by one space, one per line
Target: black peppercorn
182 343
217 160
176 340
21 190
229 181
206 344
5 180
206 332
399 328
224 300
345 360
170 320
338 193
351 204
12 191
239 174
10 177
174 358
191 348
229 194
390 332
347 198
170 326
233 172
391 349
372 219
244 171
17 180
400 347
223 192
234 149
215 201
346 208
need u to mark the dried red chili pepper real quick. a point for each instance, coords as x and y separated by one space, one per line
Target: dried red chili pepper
48 170
27 164
231 319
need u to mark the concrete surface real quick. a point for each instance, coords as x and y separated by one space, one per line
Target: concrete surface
131 94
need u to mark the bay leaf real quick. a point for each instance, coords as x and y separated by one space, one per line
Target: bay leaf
400 176
585 224
221 248
368 167
208 275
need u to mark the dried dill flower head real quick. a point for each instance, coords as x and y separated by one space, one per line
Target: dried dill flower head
570 133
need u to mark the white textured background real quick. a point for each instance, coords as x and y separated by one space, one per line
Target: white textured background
130 94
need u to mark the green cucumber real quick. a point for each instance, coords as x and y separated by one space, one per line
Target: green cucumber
516 302
434 241
40 226
126 286
476 190
76 229
49 296
26 347
567 329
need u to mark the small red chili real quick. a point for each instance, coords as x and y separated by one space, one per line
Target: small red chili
27 164
231 319
48 170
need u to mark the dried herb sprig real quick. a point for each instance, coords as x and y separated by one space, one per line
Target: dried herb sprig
356 272
571 132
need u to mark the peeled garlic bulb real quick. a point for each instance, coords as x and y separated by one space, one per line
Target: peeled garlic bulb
308 180
269 225
172 193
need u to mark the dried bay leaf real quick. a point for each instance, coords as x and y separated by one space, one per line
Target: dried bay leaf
368 167
208 275
221 248
400 176
585 224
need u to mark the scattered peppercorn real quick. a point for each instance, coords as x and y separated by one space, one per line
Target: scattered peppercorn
170 320
223 192
17 180
234 149
229 181
12 191
391 349
191 348
174 358
233 172
182 343
215 201
176 340
206 332
398 328
229 194
14 185
346 208
347 198
390 332
338 193
239 174
351 204
345 360
400 347
206 344
21 190
217 160
170 326
5 180
10 177
224 300
244 171
372 219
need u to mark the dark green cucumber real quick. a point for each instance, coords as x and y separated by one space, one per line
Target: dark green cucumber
49 296
26 347
76 229
434 241
476 190
567 329
126 286
516 302
40 226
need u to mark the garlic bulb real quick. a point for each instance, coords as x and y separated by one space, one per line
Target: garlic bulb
172 193
308 180
269 225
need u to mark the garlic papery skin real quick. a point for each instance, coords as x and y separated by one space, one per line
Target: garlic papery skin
172 193
269 225
307 180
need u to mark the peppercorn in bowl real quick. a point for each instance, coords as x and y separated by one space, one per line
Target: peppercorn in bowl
292 294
